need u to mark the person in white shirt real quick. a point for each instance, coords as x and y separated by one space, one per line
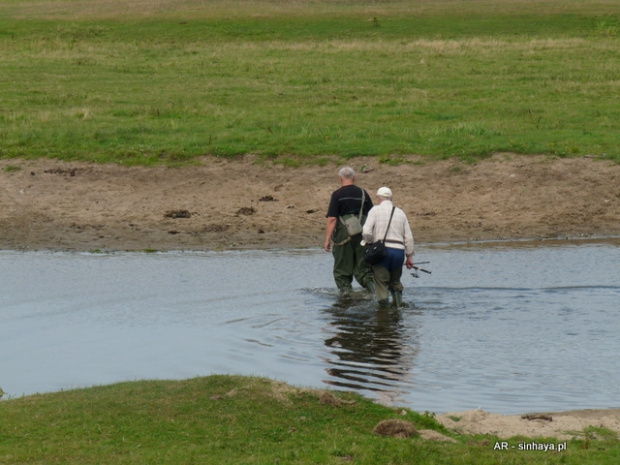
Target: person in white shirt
399 246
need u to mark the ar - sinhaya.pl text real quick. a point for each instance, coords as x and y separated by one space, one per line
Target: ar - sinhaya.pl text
523 446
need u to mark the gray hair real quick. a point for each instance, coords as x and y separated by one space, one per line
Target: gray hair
347 172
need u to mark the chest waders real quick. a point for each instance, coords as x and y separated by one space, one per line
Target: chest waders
349 255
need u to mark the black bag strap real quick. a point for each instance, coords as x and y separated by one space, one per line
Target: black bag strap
389 222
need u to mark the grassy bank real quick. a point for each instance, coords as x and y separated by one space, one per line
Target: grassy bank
237 420
142 82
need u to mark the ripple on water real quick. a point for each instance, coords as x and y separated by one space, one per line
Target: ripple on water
508 329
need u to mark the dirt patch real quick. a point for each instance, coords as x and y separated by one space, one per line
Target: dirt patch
563 425
395 429
178 214
246 203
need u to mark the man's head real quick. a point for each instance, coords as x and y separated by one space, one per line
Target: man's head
346 175
384 193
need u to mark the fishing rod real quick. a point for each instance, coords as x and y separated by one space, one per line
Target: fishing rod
415 274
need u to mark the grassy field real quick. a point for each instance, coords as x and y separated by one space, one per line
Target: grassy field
165 81
236 420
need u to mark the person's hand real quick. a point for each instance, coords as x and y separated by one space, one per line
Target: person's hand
328 245
409 263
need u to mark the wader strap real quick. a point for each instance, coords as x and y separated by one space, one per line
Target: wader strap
343 242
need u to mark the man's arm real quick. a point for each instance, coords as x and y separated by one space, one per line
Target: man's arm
329 231
408 239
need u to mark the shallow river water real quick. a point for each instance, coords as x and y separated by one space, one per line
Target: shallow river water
510 328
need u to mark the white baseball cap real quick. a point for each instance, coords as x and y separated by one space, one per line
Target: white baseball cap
384 192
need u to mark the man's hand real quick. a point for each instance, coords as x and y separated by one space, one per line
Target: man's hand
409 262
328 245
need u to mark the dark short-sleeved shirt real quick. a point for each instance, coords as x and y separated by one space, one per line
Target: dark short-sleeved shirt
347 201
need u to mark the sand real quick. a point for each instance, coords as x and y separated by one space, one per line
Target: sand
249 204
559 425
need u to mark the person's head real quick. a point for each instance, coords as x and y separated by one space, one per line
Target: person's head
346 175
384 193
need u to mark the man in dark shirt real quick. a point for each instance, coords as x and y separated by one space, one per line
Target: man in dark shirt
348 253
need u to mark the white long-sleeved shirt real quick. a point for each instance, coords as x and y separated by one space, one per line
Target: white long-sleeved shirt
399 235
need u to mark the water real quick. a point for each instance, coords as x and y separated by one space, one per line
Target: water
510 329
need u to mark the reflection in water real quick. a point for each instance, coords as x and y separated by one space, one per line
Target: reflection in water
372 349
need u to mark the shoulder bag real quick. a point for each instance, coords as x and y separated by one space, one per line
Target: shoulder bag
354 223
375 252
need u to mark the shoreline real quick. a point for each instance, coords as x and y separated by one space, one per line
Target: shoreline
253 204
560 425
443 244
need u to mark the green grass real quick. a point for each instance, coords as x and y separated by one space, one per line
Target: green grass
239 420
146 82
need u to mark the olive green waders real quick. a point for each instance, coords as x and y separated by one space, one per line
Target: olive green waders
388 283
349 260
